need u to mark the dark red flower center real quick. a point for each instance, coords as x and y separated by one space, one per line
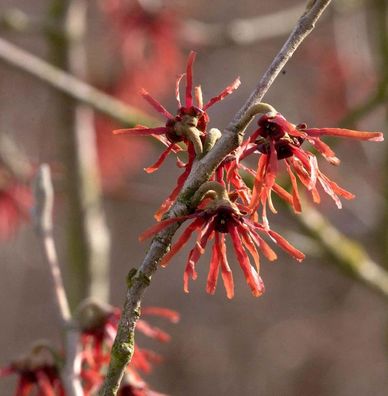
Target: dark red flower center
270 130
283 146
223 217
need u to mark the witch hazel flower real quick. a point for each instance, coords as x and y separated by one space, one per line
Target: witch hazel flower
215 217
15 203
98 323
38 372
280 142
188 126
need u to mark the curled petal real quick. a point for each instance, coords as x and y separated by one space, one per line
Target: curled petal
332 189
252 277
160 160
212 276
286 246
227 91
169 314
195 254
283 194
156 105
325 150
347 133
162 225
171 198
226 272
151 331
247 241
295 192
197 223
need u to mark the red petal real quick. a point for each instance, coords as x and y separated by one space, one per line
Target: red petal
347 133
212 276
152 332
286 246
325 150
163 224
189 79
247 240
197 223
332 189
227 91
160 160
263 245
173 316
24 386
253 279
226 272
141 131
196 253
295 193
156 105
171 198
282 193
44 384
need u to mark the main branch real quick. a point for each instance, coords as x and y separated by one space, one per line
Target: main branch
139 280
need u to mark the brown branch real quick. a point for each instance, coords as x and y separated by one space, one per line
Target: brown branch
139 280
72 86
42 216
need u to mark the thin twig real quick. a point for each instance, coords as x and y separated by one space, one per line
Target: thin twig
122 349
42 216
71 86
241 31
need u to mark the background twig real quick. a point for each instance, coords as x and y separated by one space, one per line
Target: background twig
71 86
42 215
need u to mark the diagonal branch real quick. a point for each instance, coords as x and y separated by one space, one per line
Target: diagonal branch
139 280
72 86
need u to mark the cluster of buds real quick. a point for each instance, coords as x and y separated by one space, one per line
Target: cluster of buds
227 204
39 370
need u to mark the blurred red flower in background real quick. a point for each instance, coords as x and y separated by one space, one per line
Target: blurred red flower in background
148 46
15 204
99 324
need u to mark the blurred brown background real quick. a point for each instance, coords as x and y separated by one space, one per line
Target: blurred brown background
315 331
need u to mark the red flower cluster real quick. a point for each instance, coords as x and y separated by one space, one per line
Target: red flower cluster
38 371
279 141
188 126
226 204
216 219
147 42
